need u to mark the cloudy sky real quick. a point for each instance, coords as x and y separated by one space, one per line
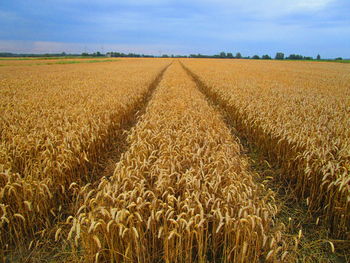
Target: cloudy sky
251 27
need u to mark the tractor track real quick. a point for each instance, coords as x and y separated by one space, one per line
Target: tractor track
294 213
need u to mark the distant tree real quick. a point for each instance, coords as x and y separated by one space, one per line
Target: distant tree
84 54
195 55
229 55
318 57
295 57
165 56
119 54
266 57
255 57
308 58
134 55
238 55
222 55
97 54
279 55
339 58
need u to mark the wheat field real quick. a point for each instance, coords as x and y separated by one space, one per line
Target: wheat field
178 186
300 118
58 124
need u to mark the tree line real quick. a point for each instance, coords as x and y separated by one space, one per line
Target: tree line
278 56
228 55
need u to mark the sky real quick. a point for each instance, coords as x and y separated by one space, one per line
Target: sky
307 27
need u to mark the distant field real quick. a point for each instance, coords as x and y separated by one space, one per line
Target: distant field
340 61
52 61
147 160
322 60
50 58
90 58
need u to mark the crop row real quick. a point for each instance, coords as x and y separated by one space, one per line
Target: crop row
180 193
298 113
56 121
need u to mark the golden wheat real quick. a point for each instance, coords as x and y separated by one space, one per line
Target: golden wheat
298 113
181 193
55 123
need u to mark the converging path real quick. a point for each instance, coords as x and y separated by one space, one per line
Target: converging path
181 192
151 160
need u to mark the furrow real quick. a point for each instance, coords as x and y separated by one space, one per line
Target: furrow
315 179
180 193
44 201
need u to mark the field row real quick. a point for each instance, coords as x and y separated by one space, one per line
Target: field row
182 191
54 127
299 117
